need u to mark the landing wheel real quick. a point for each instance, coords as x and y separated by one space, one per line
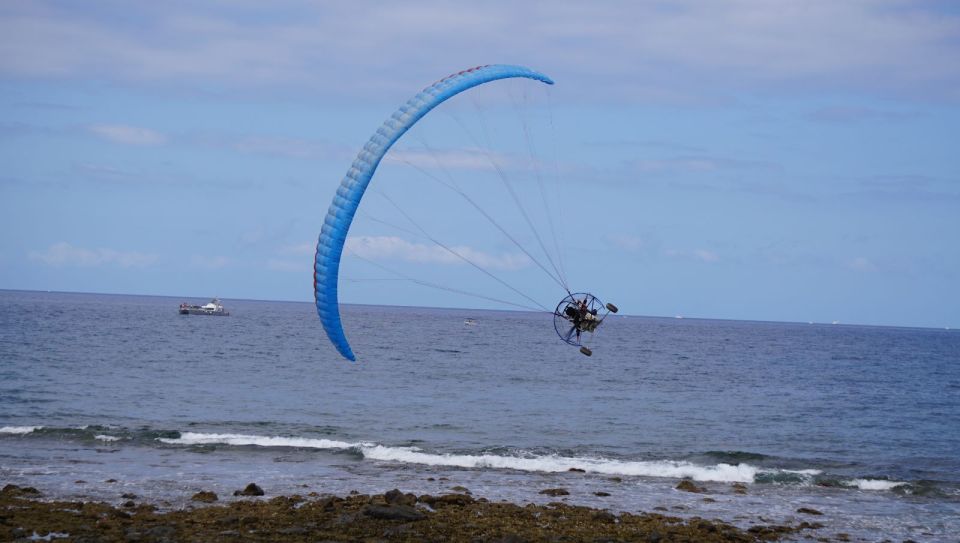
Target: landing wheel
611 308
586 351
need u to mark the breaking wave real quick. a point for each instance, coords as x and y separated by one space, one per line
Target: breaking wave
873 484
544 463
193 438
734 470
19 429
741 473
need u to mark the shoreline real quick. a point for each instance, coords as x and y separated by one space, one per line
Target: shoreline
25 514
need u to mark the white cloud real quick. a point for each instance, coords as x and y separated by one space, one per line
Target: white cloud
283 147
276 264
699 164
209 262
128 135
64 254
300 249
639 50
855 114
703 255
395 248
861 264
628 242
453 159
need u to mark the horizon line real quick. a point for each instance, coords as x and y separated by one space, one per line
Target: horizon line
675 317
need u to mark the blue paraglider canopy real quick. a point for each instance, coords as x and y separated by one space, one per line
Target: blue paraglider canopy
346 201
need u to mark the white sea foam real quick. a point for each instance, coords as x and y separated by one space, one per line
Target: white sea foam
741 473
810 472
873 484
727 473
19 429
103 437
193 438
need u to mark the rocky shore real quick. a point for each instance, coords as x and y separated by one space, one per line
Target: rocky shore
25 515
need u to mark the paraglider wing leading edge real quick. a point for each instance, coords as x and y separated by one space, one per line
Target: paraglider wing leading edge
336 224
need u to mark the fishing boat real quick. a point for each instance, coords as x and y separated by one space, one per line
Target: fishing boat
213 307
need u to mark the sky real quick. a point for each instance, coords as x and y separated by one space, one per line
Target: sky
758 160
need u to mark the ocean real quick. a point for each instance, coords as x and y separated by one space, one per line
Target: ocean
105 395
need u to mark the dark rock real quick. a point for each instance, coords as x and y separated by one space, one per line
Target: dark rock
393 512
654 537
329 504
604 516
205 496
615 479
128 496
14 490
458 500
345 519
687 485
703 525
555 492
251 490
601 493
80 482
775 532
709 500
285 501
145 508
808 511
395 497
129 503
577 470
110 481
739 488
229 520
459 488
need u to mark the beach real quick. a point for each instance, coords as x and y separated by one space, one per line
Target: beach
392 516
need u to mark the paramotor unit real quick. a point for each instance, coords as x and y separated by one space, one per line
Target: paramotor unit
580 314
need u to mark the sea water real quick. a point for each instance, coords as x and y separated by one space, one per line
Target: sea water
105 395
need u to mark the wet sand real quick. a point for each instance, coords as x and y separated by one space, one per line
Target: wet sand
393 516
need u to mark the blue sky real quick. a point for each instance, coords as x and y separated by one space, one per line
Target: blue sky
791 160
